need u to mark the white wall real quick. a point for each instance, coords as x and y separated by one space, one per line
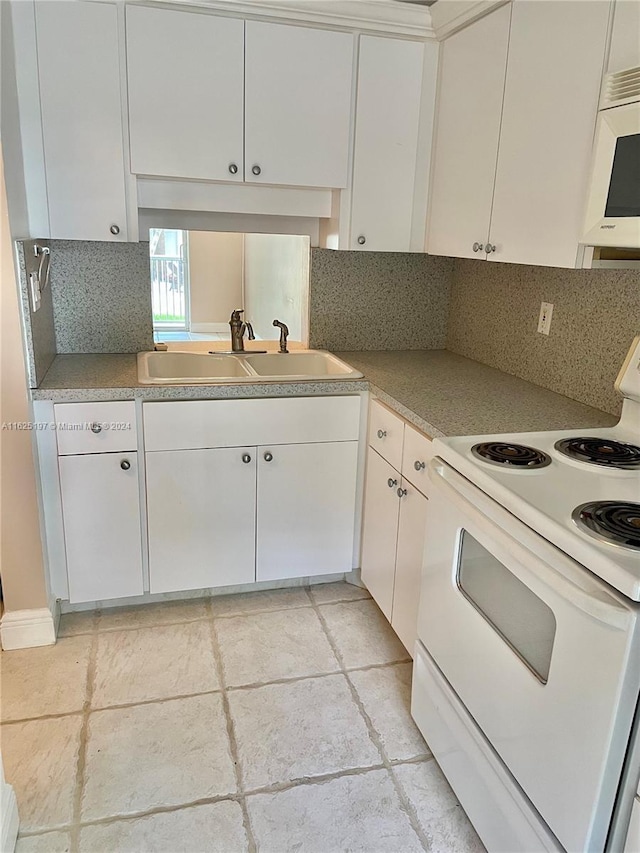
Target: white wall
276 283
21 558
215 277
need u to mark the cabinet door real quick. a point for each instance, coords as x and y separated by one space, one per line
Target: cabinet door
79 73
101 513
185 74
556 54
409 557
297 105
380 530
386 143
469 107
201 518
306 509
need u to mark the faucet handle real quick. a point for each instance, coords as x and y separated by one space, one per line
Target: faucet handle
235 315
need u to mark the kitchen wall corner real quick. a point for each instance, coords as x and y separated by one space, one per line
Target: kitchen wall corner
38 326
493 318
101 296
378 300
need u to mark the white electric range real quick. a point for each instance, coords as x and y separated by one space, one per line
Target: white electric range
527 666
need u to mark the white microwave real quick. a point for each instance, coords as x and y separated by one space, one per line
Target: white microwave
613 205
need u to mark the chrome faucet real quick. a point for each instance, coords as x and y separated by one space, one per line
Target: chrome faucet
284 333
238 328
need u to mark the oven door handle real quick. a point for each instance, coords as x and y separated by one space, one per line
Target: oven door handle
553 567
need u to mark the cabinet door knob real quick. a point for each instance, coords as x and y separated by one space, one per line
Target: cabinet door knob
246 458
268 456
115 229
477 247
233 168
489 248
125 464
362 239
382 433
96 428
256 169
391 483
419 466
401 493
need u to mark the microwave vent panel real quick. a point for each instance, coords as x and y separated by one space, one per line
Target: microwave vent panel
621 87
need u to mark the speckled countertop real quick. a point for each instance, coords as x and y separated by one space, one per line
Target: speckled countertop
446 394
439 392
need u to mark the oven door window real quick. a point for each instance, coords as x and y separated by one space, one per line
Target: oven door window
624 188
518 615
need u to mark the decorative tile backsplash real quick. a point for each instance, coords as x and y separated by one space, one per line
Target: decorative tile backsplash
101 296
378 300
596 313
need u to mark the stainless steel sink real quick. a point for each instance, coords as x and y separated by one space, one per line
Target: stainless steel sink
191 368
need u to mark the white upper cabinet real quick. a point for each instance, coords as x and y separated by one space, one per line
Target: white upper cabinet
82 126
469 108
185 80
386 143
556 53
297 105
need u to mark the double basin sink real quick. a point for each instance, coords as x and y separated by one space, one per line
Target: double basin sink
196 368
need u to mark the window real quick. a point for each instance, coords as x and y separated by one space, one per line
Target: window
168 249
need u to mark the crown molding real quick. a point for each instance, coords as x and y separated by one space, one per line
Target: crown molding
381 16
449 16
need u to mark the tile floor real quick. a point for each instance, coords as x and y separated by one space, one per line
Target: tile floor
269 722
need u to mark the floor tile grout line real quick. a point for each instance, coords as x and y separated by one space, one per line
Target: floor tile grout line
229 689
83 739
233 744
275 788
376 738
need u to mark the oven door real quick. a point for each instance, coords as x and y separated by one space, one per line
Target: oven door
542 654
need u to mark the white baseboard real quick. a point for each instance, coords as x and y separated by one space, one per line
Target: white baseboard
24 629
9 820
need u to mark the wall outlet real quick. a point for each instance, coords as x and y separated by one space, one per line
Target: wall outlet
544 321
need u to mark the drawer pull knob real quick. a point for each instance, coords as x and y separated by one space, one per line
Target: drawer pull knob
268 456
382 433
233 168
256 170
125 464
115 229
96 428
391 483
419 466
401 493
362 240
246 458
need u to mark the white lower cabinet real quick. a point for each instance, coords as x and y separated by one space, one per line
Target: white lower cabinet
201 517
220 514
101 517
380 530
409 553
306 508
394 522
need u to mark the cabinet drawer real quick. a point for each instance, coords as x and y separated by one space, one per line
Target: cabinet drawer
417 451
245 423
95 427
386 431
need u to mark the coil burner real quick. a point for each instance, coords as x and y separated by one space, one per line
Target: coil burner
617 522
509 455
601 451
